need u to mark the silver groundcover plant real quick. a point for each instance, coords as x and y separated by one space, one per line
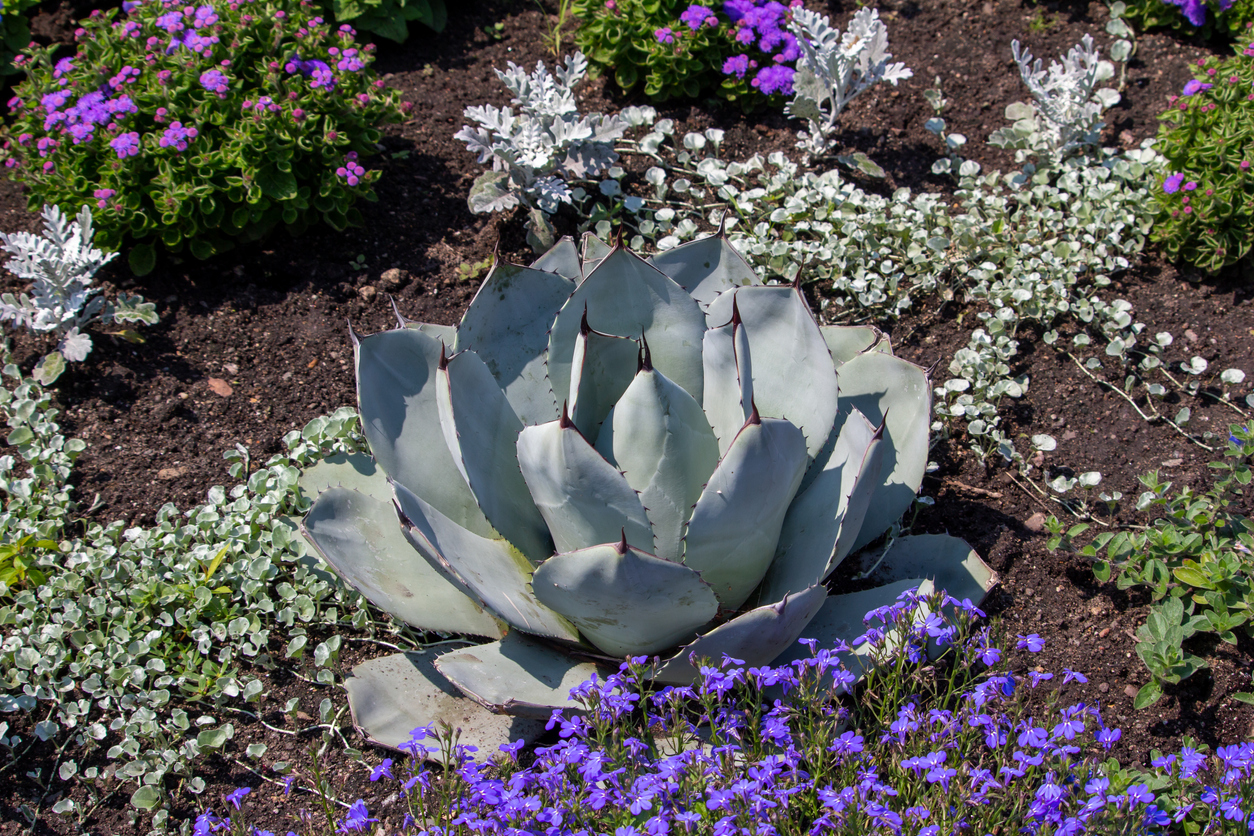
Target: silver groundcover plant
613 456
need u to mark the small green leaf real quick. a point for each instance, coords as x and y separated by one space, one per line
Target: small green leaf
49 368
142 258
146 797
276 184
1149 694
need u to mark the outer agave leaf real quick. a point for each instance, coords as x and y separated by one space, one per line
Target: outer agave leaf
706 267
396 394
848 341
948 562
516 676
391 696
821 514
583 498
604 366
447 334
493 569
792 368
624 601
507 325
480 428
735 525
877 385
562 259
626 297
658 435
755 637
727 364
357 535
594 252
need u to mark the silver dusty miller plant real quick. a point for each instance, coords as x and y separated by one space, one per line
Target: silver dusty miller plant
535 151
833 70
61 263
1068 107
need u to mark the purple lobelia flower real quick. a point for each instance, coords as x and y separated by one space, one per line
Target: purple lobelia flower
1193 10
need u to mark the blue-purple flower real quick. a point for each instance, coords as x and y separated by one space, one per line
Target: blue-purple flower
696 16
125 145
665 35
1172 184
1192 87
215 81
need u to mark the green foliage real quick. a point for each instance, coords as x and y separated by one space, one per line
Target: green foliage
388 18
14 32
182 149
1233 21
1196 560
137 638
619 38
1208 140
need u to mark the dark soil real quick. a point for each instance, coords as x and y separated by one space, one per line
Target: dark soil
271 322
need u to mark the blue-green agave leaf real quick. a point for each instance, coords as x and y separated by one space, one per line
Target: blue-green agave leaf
584 499
359 537
828 511
397 375
706 267
496 572
517 676
391 696
626 297
793 376
728 372
480 428
879 385
756 637
658 436
562 259
735 525
594 252
846 342
624 601
604 366
507 325
948 562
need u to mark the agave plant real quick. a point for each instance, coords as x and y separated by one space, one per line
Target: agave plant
613 456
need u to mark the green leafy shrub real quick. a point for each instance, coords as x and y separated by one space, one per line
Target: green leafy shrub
1206 204
200 126
1208 18
622 37
1196 560
14 32
388 18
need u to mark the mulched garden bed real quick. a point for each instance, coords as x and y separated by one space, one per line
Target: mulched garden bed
255 343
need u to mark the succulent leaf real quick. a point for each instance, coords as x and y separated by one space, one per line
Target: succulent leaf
562 259
846 342
603 368
731 535
658 436
594 252
507 325
584 499
792 370
480 428
879 385
626 602
948 562
706 267
728 371
396 374
756 637
497 573
357 535
833 504
516 676
446 334
393 695
626 297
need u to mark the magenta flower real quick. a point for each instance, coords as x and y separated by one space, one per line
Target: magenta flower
696 16
665 35
1172 184
1192 87
215 81
125 145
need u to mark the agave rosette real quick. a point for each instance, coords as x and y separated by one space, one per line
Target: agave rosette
612 456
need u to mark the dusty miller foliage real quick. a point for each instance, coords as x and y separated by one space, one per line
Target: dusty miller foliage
535 151
62 263
833 70
1066 113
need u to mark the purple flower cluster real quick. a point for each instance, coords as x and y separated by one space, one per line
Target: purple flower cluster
176 136
696 16
1194 11
215 81
126 145
318 71
352 171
